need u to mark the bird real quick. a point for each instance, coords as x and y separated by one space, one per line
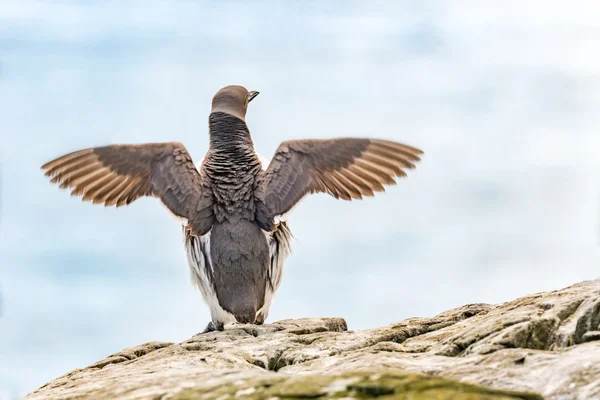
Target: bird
234 204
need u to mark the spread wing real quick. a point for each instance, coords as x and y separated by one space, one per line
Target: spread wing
119 174
345 168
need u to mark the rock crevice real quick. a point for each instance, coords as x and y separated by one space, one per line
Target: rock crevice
541 346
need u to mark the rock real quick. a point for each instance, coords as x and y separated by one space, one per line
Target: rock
547 343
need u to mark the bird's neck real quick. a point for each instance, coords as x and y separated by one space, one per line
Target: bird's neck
228 133
231 166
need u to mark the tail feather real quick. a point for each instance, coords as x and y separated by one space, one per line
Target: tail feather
245 314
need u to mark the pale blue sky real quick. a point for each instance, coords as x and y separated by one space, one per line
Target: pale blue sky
503 97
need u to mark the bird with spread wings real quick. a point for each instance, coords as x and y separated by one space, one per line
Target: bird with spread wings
233 206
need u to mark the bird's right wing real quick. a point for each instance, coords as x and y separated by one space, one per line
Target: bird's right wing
120 174
346 168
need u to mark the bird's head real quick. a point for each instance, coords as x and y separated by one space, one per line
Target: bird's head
233 100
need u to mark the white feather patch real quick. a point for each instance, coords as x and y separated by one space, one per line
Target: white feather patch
283 217
279 249
199 163
197 248
263 161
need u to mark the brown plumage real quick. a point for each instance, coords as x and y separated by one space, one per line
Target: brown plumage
345 168
119 174
233 196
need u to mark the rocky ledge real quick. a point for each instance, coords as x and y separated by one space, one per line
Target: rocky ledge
543 346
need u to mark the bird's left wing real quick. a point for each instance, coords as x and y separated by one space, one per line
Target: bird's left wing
346 168
119 174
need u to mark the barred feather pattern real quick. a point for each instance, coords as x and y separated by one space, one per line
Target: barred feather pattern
232 168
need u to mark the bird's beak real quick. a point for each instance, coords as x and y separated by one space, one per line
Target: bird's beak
252 95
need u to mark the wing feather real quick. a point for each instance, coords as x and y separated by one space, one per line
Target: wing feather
117 175
346 168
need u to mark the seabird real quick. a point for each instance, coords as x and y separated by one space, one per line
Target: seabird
233 207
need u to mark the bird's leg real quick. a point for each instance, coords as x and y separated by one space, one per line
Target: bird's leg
211 327
260 319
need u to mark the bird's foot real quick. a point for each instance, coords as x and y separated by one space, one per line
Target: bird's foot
260 319
212 327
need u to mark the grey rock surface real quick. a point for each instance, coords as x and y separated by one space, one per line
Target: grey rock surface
546 343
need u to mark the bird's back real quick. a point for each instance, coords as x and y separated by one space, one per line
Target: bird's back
239 250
